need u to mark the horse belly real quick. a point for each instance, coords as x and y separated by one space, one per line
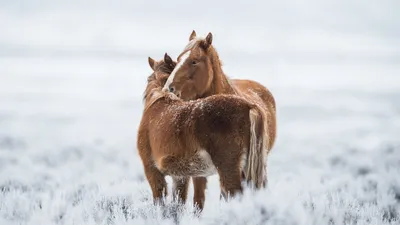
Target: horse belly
203 166
196 165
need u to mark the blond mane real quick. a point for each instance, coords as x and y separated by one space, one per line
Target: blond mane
193 43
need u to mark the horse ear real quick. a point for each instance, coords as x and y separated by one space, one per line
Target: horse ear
167 59
208 41
152 63
193 35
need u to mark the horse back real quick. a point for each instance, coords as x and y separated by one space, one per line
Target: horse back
247 86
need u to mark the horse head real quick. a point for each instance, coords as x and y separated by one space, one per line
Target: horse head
161 71
193 74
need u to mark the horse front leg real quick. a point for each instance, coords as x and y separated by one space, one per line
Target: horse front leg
155 178
157 183
180 188
199 186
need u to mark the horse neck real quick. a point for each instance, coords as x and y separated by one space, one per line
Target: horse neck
220 83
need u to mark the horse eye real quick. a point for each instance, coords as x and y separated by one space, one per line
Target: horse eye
194 62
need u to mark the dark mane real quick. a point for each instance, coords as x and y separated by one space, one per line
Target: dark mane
165 67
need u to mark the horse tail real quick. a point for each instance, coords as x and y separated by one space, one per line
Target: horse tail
256 164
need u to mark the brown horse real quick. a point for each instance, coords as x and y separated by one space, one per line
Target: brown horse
221 134
199 74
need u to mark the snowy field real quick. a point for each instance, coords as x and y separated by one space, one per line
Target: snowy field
72 75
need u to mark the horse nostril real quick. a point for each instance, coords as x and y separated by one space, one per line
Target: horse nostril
171 89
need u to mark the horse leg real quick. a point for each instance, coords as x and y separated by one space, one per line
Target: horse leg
199 185
230 181
155 178
157 183
180 188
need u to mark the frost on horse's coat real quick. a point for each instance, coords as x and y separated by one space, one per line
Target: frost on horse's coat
186 139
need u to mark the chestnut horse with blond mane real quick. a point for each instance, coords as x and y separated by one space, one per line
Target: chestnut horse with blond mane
222 134
198 74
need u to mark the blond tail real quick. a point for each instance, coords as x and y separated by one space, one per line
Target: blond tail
256 164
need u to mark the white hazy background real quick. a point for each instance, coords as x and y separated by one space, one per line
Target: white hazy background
72 74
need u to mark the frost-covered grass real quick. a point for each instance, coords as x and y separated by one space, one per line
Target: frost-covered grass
348 188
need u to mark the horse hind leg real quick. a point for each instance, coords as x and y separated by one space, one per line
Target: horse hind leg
230 182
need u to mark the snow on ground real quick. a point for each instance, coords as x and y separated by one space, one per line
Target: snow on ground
70 105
